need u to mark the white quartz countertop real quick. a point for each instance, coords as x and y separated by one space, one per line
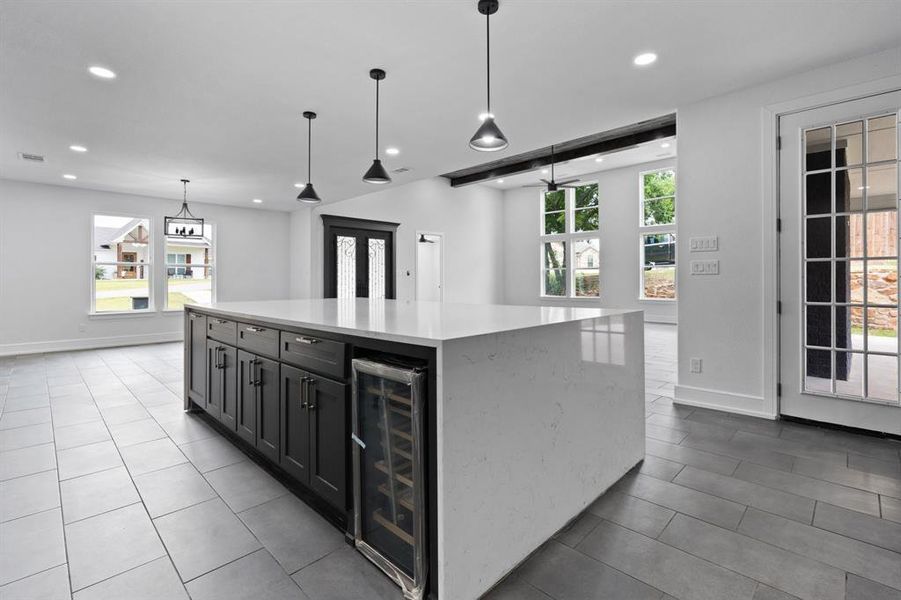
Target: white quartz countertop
422 323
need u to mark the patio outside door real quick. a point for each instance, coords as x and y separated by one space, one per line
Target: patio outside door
839 182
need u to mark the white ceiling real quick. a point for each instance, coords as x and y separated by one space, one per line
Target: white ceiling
213 91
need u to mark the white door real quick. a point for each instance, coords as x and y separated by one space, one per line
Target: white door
839 184
429 267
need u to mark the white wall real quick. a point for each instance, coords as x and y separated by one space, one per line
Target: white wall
618 191
470 219
725 149
45 258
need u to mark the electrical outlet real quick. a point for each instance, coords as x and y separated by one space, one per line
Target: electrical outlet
709 243
81 327
694 365
705 267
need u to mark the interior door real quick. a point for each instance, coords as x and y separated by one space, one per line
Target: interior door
839 181
429 267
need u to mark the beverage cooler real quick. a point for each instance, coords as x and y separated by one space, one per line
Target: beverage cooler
388 462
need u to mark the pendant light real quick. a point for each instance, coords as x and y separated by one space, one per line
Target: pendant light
488 137
184 224
377 173
308 194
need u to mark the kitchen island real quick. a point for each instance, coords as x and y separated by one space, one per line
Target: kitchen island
529 413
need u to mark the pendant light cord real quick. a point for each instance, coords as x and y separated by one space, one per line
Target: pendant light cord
488 57
309 146
376 119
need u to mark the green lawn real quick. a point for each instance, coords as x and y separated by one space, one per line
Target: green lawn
875 332
176 301
131 284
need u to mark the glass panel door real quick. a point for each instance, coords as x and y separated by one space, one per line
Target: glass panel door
850 259
358 263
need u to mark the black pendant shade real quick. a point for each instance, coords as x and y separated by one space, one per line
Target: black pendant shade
377 173
308 195
488 137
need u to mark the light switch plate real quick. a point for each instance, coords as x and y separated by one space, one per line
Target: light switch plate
707 243
705 267
695 365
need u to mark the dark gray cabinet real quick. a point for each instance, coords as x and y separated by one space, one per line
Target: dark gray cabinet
313 425
258 407
327 402
196 372
221 382
295 452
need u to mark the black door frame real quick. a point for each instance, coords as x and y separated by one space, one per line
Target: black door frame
334 225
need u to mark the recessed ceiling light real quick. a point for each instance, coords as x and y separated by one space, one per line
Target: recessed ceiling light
664 145
257 201
101 72
392 151
77 148
599 159
299 185
643 60
69 176
500 181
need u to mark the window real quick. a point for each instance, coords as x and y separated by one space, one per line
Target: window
121 264
657 227
570 246
189 270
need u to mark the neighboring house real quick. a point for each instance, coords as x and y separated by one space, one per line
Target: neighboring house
587 258
129 243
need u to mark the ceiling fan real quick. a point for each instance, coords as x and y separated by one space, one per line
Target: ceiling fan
554 185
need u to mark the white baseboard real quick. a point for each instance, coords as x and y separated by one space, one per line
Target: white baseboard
665 319
89 343
742 404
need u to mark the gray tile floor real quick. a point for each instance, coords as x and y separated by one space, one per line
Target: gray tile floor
109 491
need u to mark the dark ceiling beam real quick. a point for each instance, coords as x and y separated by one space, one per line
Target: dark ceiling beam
605 142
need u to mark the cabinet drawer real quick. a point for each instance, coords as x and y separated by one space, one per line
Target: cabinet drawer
259 340
222 330
319 355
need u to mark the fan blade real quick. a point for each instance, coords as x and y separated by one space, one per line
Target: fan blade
547 182
573 180
535 185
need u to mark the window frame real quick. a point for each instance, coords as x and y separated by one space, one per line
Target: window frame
183 265
151 297
666 228
569 237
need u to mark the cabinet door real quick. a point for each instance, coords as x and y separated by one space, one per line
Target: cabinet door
197 370
295 446
213 403
246 415
328 440
268 407
229 396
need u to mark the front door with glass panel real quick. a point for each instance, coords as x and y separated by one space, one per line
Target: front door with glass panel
839 182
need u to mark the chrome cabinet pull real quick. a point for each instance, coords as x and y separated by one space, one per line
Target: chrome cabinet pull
303 392
306 340
311 394
254 329
220 321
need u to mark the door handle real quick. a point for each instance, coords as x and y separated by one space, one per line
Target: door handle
220 357
311 394
258 374
303 392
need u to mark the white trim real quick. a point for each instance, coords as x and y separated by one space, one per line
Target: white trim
725 401
770 185
662 319
89 343
144 312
